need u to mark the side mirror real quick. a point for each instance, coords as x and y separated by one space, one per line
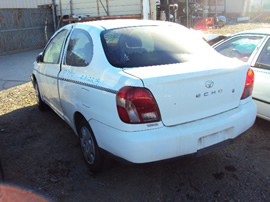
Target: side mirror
39 58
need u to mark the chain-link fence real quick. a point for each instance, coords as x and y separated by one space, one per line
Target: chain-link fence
24 29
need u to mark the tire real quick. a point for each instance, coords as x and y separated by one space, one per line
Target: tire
90 149
41 105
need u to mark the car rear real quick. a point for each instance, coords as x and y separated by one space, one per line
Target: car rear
191 98
192 91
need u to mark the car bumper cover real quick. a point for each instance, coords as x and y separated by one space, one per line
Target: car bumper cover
170 142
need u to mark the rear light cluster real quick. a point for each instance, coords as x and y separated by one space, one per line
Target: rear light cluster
137 105
248 85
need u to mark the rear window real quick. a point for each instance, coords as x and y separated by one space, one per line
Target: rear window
151 45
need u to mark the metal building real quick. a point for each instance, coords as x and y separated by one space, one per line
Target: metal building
28 24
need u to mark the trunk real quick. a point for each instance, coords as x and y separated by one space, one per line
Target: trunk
191 91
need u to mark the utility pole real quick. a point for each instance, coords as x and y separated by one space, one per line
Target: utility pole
70 7
187 11
216 8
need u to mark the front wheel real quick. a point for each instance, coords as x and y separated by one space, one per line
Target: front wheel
89 147
41 105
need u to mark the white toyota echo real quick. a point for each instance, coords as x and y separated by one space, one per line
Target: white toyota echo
143 91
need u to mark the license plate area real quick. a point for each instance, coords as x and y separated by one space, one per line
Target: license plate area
215 138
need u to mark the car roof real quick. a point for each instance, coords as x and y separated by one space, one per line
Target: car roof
115 24
265 31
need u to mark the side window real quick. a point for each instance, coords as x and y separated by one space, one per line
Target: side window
110 42
53 50
80 49
240 47
264 57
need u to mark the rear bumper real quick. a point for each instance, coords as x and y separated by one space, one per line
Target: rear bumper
170 142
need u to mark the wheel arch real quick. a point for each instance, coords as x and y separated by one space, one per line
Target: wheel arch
90 148
33 79
78 117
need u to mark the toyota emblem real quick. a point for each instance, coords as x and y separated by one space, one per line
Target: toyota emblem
209 84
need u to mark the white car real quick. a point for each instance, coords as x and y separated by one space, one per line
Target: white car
253 47
143 91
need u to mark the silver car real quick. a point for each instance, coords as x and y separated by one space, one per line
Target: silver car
252 47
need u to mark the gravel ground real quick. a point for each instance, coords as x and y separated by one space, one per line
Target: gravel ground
17 98
40 154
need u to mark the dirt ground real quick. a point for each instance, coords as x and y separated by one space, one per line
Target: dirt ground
40 154
232 29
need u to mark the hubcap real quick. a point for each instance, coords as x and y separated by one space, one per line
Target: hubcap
88 145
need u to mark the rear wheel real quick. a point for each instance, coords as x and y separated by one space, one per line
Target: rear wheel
41 105
89 147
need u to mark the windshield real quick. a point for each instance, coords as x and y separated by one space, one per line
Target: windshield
152 45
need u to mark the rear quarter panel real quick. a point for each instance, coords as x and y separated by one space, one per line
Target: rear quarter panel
92 90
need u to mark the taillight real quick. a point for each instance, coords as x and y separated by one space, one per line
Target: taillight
137 105
248 85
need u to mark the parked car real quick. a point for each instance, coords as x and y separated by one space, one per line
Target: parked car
252 47
143 91
220 21
214 22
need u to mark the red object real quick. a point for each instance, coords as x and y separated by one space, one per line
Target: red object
249 84
200 25
10 194
209 22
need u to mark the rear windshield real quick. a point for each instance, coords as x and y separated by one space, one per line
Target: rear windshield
152 45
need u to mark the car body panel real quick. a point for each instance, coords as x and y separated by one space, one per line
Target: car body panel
261 90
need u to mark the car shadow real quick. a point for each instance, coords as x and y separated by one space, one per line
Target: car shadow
40 152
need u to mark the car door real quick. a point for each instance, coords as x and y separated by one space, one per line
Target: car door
261 91
76 75
50 68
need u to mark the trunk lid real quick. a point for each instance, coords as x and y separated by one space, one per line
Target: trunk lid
194 90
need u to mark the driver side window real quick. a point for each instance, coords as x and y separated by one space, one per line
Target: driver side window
53 50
